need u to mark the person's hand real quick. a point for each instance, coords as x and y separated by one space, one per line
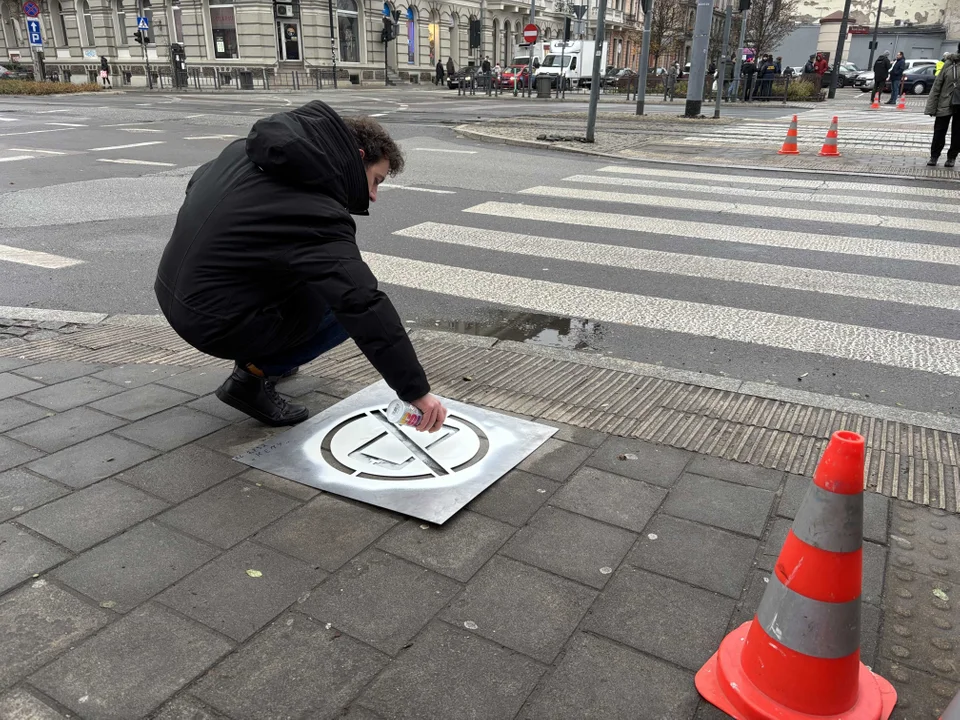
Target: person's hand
434 413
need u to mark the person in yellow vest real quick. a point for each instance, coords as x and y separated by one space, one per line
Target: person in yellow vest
940 63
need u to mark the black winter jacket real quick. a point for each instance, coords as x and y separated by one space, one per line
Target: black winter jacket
266 232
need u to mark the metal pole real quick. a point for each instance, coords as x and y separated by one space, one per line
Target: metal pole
533 11
644 55
876 29
840 42
333 44
698 59
737 68
386 70
722 76
597 62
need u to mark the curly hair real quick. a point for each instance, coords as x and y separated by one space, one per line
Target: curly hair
376 143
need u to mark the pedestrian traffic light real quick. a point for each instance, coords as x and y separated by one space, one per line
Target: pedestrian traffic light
744 5
138 36
474 33
389 29
566 29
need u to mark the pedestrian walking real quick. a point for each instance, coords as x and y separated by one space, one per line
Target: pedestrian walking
670 84
810 66
896 77
747 71
263 266
821 65
451 68
105 72
944 105
767 74
439 80
881 70
728 69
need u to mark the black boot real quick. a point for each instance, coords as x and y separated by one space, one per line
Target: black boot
257 397
932 162
950 162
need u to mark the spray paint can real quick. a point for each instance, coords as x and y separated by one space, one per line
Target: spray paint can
403 413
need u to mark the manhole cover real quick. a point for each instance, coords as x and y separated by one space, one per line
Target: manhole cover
352 450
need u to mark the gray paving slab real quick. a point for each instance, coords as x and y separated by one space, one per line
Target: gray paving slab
505 601
14 453
228 513
360 713
15 412
555 459
240 437
85 463
133 376
871 617
793 493
294 669
11 385
224 596
577 435
757 582
141 402
380 599
23 555
919 694
731 507
327 531
610 498
172 428
696 554
278 484
571 545
874 565
876 514
317 402
451 674
198 381
71 394
84 518
740 473
57 371
299 385
925 541
773 543
212 405
185 707
130 668
8 363
598 678
662 617
21 491
65 429
654 464
38 622
181 473
457 549
514 498
21 705
135 566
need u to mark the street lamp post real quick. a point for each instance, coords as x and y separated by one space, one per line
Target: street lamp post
876 29
840 43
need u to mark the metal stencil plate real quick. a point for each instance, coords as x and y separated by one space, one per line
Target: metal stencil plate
352 450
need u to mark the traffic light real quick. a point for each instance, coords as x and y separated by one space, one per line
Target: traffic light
389 31
474 33
744 5
647 5
141 37
566 29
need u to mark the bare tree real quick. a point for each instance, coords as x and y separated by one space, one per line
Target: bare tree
770 22
666 26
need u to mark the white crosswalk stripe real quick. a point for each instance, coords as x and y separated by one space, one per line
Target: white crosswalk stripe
615 251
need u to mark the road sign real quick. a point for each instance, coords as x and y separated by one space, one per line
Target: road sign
33 30
143 23
530 33
579 11
31 9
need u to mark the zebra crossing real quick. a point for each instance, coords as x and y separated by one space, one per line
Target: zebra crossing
785 267
811 132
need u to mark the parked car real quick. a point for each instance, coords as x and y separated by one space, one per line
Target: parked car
621 79
14 74
461 77
865 80
519 72
793 70
919 80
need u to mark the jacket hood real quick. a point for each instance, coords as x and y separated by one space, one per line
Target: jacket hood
312 147
953 57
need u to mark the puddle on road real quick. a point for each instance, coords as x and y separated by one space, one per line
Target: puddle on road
532 328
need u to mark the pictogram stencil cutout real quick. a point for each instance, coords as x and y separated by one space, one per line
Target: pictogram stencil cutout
351 449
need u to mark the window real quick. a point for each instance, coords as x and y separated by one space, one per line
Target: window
121 24
147 13
411 36
89 38
59 23
348 27
177 22
224 26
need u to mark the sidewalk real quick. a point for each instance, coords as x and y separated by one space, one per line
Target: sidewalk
575 587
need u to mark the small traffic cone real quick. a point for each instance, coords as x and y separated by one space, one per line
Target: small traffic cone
829 148
790 144
876 102
902 103
799 657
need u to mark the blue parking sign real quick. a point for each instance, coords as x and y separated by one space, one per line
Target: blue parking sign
33 30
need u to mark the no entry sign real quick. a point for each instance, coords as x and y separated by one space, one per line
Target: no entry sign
530 34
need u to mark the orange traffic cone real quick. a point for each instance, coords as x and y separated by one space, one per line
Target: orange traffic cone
790 144
829 148
876 102
902 103
800 655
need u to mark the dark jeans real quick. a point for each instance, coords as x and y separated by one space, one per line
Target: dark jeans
940 135
329 334
747 87
894 88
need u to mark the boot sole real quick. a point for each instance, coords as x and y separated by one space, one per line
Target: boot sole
256 414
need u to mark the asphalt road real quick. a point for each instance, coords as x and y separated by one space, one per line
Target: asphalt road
641 262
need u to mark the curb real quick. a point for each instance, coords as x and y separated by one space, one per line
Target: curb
466 132
918 418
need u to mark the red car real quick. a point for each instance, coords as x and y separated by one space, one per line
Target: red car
519 72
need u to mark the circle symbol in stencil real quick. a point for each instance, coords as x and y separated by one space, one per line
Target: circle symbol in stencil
367 445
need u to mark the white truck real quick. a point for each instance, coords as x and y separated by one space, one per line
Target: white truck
526 54
574 61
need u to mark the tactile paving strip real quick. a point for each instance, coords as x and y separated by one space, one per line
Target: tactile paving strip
904 461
